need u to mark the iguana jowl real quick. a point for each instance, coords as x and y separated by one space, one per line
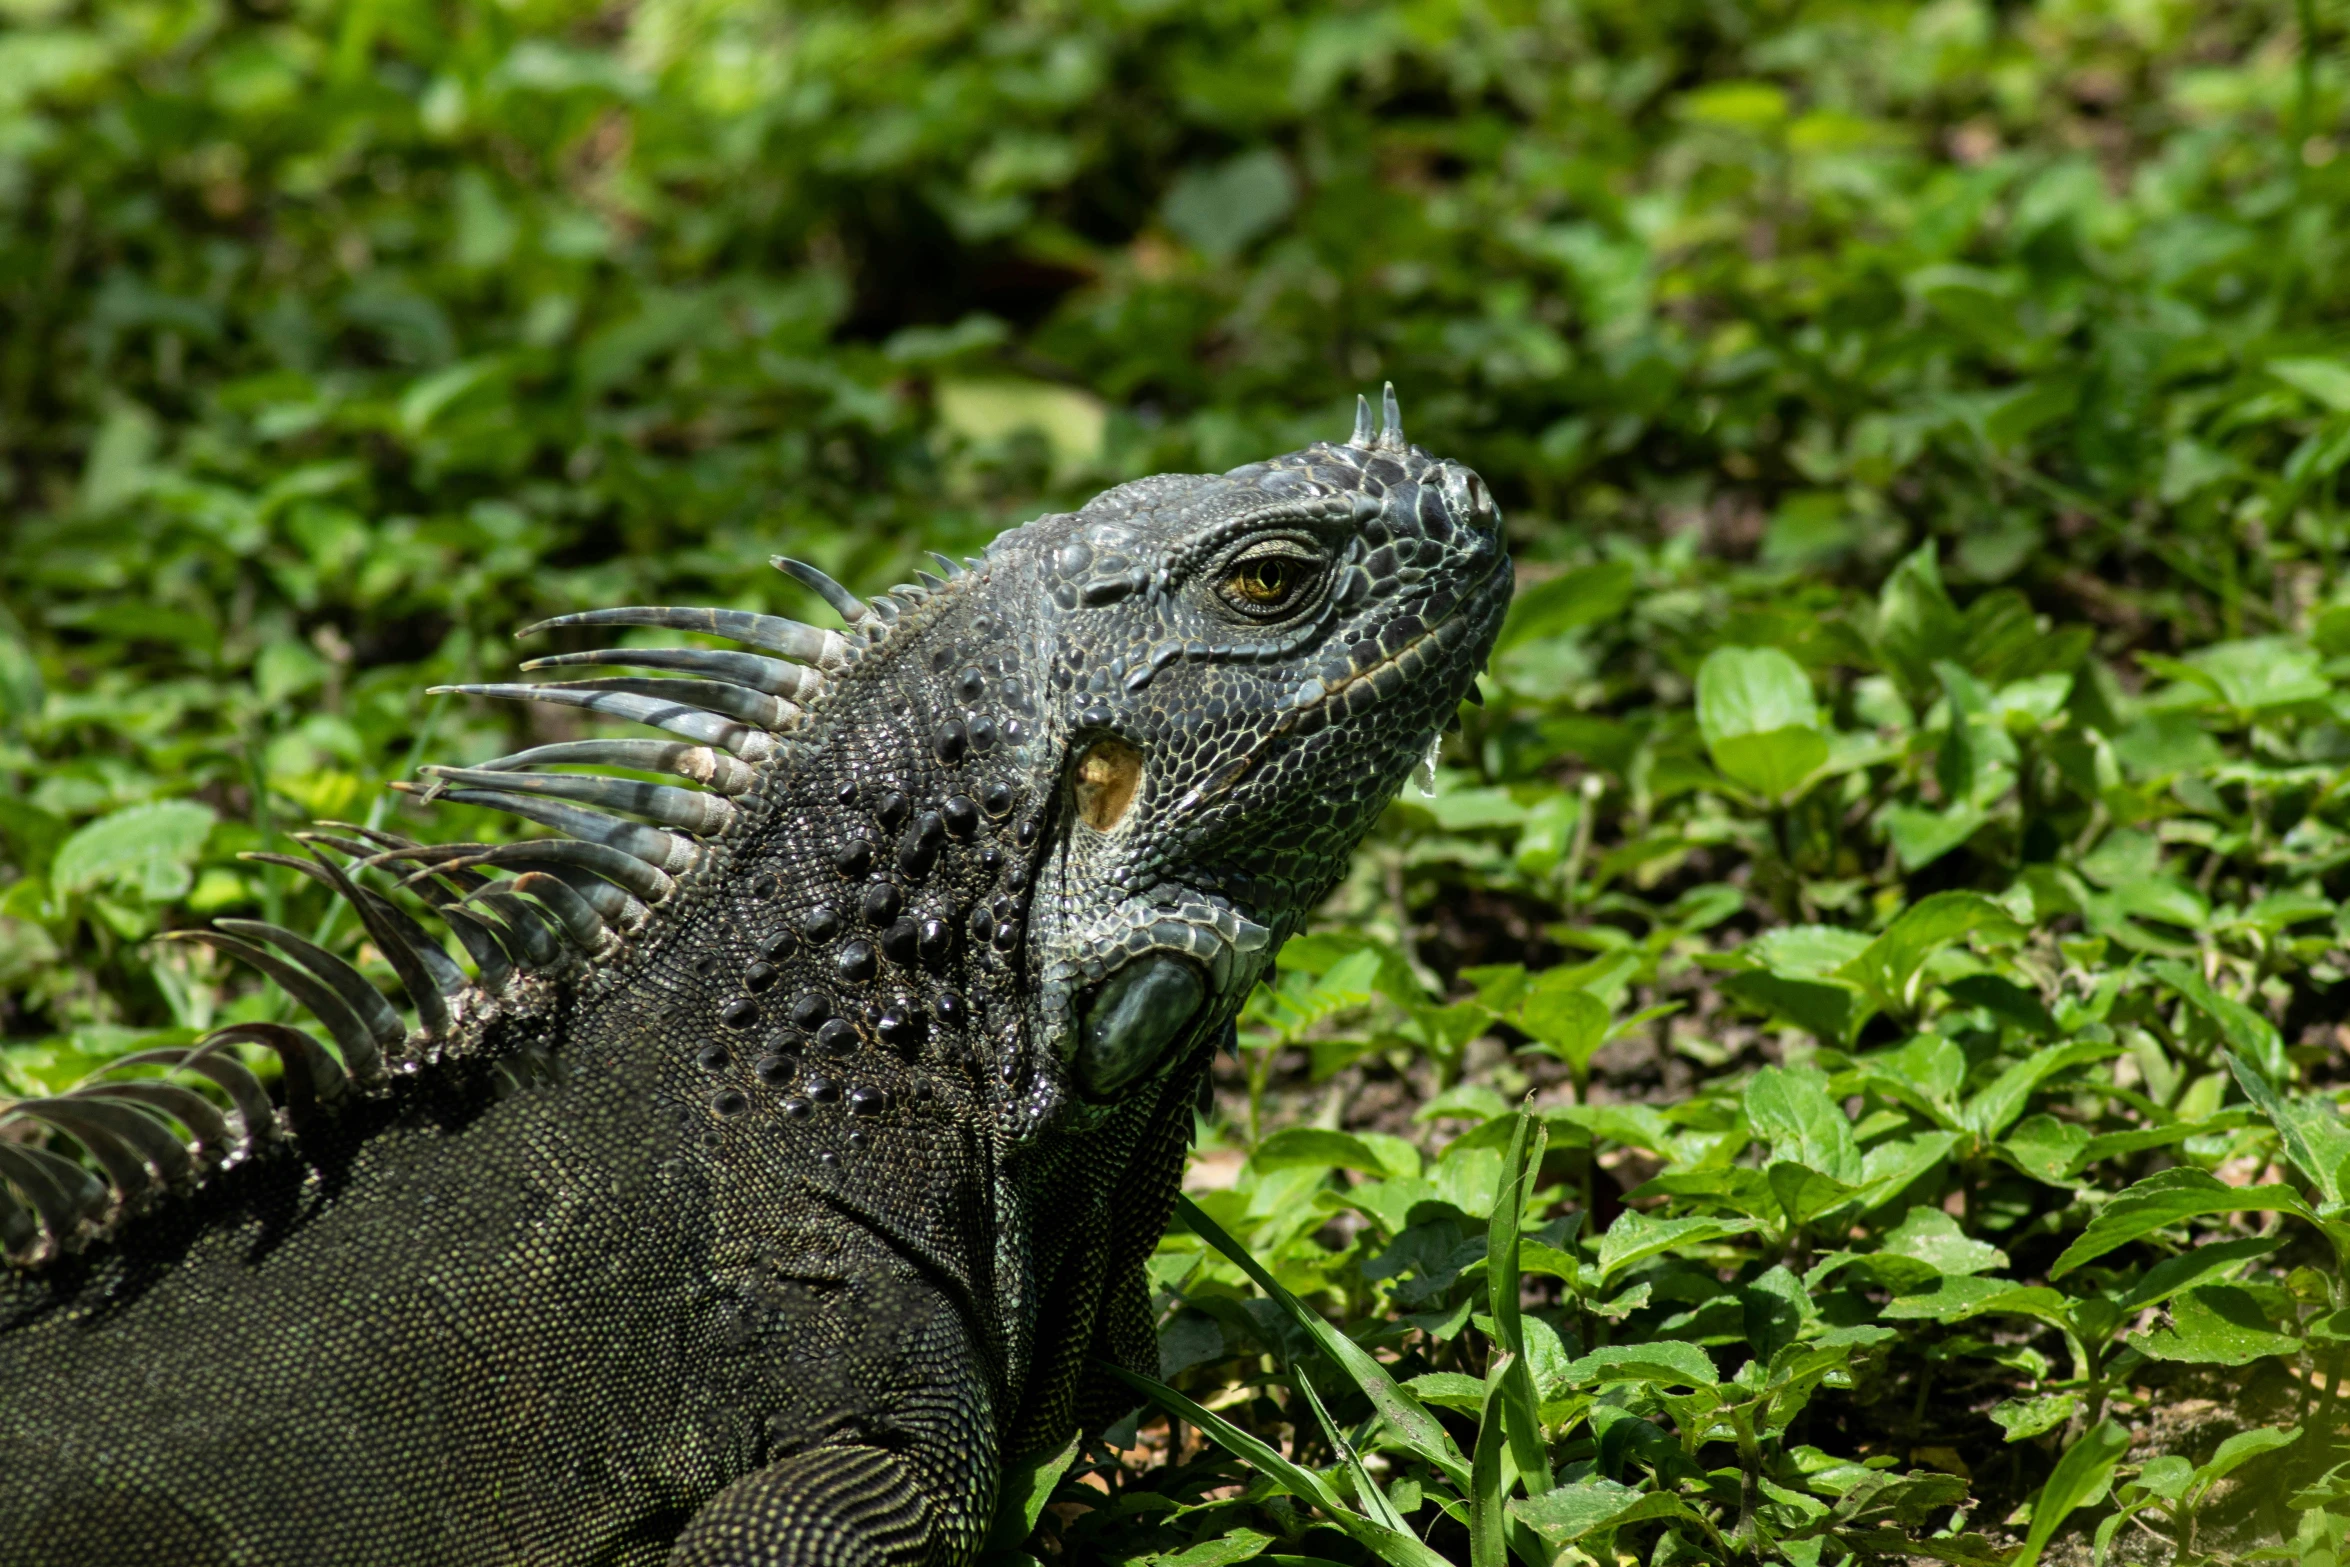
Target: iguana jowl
799 1137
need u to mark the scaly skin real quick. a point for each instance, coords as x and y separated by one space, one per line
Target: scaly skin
763 1224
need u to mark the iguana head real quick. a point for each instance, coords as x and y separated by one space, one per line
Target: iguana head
1239 670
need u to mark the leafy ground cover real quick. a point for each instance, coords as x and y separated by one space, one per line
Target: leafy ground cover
1845 1062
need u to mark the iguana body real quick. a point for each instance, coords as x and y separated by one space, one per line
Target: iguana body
792 1153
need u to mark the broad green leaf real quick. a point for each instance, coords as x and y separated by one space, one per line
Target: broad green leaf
1830 1011
1635 1237
1672 1363
1996 1108
1803 1193
1934 1238
1773 763
1888 968
2046 1148
1805 951
2206 1264
1581 597
1570 1512
2215 1325
2313 1135
1451 1389
1239 1545
145 850
2011 1001
2241 1449
1920 837
2167 1198
1790 1109
2325 380
2246 1031
1027 1486
2022 1418
1916 622
1960 1297
1316 1147
1569 1024
2262 674
1760 720
2081 1479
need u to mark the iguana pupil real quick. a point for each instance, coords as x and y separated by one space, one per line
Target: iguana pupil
783 1156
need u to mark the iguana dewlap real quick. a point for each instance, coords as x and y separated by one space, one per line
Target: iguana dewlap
800 1131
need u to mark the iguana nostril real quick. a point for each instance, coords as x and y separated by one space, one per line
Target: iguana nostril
1130 1019
1109 775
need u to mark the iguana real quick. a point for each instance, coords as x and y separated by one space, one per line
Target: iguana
797 1139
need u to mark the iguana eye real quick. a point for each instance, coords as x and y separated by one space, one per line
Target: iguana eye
1269 580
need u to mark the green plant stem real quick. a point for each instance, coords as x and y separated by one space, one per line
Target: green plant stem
2089 1370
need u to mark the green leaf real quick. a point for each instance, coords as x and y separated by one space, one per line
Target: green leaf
1888 968
1920 837
2239 1450
1934 1238
1569 1024
2167 1198
1670 1362
1582 597
145 850
2313 1135
1240 1545
1995 1109
1760 720
1957 1298
2205 1264
1803 1193
1829 1011
1221 210
1790 1109
1027 1486
1488 1540
2216 1325
2081 1479
2246 1031
2004 997
2046 1148
2024 1418
1635 1237
2327 381
1311 1147
1570 1512
1916 622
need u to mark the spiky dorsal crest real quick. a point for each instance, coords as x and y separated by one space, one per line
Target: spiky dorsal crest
544 910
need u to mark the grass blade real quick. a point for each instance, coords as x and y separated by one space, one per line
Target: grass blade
1520 1408
1487 1518
1393 1546
1403 1413
1374 1500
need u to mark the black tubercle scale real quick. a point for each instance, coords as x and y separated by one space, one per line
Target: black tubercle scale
884 876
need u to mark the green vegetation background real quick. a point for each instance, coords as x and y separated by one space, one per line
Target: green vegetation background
1921 427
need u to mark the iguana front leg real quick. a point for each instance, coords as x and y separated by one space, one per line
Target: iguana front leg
851 1505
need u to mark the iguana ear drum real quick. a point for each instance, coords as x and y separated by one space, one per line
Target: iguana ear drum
1131 1017
1108 775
